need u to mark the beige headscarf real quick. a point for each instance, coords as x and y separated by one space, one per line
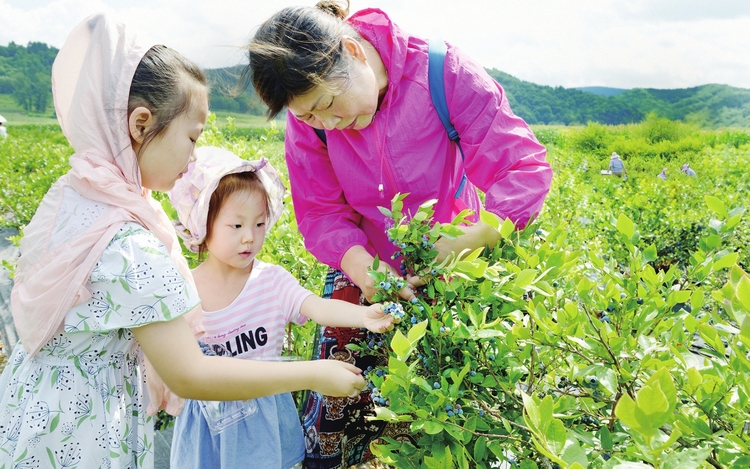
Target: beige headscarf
91 80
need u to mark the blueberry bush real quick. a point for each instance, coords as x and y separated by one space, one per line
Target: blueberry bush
541 355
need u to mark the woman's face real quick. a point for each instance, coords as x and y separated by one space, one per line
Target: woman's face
351 106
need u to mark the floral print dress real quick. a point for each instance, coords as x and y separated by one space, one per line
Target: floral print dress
80 401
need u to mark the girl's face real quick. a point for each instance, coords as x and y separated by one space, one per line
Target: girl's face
352 107
163 160
239 230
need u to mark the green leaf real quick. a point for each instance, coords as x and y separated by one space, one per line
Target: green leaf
556 436
605 438
726 261
697 299
743 292
686 459
428 204
417 331
432 427
489 218
397 367
608 379
524 278
717 206
480 448
507 228
474 269
385 211
573 454
625 226
531 416
632 465
650 253
400 344
652 401
627 411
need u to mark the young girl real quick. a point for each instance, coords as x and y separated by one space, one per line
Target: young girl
226 205
101 280
365 81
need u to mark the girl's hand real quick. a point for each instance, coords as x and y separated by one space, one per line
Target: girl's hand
336 378
376 320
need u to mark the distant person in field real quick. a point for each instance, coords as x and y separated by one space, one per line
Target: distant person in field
663 174
688 170
617 166
3 131
365 82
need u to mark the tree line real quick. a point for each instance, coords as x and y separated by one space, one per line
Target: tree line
25 74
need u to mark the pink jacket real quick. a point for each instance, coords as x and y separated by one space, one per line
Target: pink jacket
407 150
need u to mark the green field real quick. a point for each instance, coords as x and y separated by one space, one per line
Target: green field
611 333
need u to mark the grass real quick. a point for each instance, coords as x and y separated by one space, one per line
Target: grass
247 120
17 116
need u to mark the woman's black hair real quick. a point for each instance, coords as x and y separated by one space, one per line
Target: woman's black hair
296 50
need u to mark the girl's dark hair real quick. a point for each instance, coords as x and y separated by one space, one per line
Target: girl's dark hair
165 83
246 181
296 50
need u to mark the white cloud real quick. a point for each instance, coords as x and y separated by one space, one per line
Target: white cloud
618 43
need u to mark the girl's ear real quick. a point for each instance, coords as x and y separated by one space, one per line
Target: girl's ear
354 48
138 123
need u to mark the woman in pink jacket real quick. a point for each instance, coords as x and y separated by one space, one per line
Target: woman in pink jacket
365 82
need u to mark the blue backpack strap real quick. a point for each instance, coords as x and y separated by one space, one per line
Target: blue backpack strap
437 50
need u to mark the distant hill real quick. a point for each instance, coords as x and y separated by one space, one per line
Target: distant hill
539 104
709 106
25 75
601 90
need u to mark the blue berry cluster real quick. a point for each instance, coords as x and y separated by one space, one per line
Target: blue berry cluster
375 393
454 411
374 341
395 310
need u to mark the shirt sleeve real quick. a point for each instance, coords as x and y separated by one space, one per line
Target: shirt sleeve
136 282
503 158
291 294
328 224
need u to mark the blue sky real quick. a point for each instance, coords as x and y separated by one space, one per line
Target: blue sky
615 43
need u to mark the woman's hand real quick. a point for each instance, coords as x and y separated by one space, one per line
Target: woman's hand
474 236
369 289
355 264
377 321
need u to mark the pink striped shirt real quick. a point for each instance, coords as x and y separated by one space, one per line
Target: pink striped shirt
253 325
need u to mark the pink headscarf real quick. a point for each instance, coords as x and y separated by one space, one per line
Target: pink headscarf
91 80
